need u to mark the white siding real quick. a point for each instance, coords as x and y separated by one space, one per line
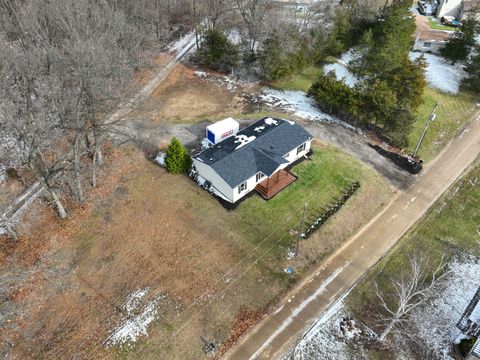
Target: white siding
423 46
209 174
449 8
218 183
251 183
293 156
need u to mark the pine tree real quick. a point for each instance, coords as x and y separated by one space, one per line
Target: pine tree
459 47
472 81
216 51
177 158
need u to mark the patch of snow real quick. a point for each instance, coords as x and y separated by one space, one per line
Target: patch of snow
136 320
243 140
183 46
3 174
297 103
259 128
441 74
160 158
340 68
235 37
180 44
134 299
205 144
436 322
270 121
324 339
200 74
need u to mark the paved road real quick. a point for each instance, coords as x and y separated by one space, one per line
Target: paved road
277 333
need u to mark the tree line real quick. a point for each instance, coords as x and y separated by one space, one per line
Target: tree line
64 65
390 85
278 40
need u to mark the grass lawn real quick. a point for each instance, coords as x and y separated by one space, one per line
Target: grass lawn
451 227
162 232
437 26
301 81
452 113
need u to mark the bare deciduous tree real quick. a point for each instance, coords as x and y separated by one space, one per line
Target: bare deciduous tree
410 290
254 14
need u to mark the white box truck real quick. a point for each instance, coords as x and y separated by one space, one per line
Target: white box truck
221 130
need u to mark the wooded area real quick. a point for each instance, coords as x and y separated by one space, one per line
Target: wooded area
65 65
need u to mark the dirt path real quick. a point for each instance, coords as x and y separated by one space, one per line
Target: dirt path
276 334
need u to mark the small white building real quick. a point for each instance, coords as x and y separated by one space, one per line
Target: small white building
254 159
431 41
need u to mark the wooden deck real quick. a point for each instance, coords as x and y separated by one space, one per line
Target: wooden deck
274 184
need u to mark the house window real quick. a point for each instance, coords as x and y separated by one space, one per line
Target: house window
259 176
301 148
426 44
242 187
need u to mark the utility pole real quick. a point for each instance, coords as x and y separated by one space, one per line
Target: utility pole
429 121
302 222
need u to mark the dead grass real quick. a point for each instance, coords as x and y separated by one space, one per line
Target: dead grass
183 97
148 228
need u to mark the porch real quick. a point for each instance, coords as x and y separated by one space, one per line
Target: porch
274 184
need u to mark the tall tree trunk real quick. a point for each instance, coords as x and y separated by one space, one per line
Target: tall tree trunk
195 22
387 330
58 204
96 162
97 158
76 161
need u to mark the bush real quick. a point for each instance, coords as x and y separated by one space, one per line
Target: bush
466 345
472 80
177 159
216 51
332 95
459 47
281 57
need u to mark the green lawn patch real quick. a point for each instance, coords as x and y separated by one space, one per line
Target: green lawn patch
321 179
435 25
452 113
300 81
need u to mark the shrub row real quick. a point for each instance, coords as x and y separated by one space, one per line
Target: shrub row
331 210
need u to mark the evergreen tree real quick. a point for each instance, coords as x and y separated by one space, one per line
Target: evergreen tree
459 47
472 81
282 56
383 49
216 51
332 95
177 159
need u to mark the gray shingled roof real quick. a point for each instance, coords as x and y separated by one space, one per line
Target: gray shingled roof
266 142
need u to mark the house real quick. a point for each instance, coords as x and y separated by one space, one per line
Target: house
431 41
456 8
448 8
255 158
